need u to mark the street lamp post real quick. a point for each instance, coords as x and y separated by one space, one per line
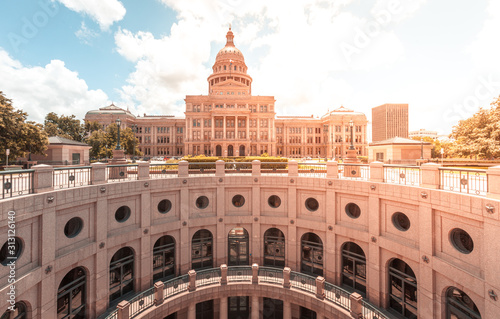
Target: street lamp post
118 124
421 148
351 124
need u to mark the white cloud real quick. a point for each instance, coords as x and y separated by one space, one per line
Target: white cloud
53 88
104 12
85 34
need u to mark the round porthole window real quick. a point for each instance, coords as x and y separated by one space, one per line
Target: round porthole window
164 206
274 201
461 240
238 200
122 214
202 202
401 221
312 204
11 250
73 227
352 210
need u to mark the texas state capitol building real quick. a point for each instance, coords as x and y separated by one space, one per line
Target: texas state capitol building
230 121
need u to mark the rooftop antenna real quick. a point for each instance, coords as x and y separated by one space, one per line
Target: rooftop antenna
230 26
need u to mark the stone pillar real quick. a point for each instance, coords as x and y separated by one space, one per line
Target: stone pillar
320 285
356 305
255 307
159 286
493 174
123 312
98 173
255 273
287 310
42 178
429 175
223 308
332 169
377 172
286 277
183 170
220 168
192 311
223 274
192 280
256 168
224 130
237 149
142 170
293 168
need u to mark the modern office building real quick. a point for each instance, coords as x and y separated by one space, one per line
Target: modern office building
388 121
231 121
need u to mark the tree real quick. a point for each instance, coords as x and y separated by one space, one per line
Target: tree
478 135
17 135
437 145
104 142
64 126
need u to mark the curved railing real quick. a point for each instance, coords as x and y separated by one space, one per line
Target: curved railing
313 286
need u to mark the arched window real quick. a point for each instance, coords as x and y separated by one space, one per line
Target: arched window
402 289
312 254
18 313
354 267
201 250
205 310
121 274
238 247
71 296
460 306
274 248
164 258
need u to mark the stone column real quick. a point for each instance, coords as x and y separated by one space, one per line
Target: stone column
493 174
123 309
286 277
220 168
159 286
42 179
429 175
255 273
223 274
142 170
255 307
192 280
377 172
320 284
183 170
223 308
332 170
356 305
191 311
287 310
224 126
293 168
236 134
256 168
98 174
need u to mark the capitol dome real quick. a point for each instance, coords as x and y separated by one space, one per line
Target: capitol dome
229 51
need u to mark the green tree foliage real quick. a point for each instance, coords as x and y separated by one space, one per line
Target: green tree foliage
104 142
437 145
478 135
91 126
64 126
17 134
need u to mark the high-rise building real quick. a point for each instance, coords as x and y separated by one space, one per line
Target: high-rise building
388 121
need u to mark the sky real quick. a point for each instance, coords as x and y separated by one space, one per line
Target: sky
72 56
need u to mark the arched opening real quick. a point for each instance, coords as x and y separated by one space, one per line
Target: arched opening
272 308
460 306
20 312
238 252
121 274
242 150
354 267
218 150
201 250
230 150
205 310
238 307
71 296
274 248
311 261
164 259
402 289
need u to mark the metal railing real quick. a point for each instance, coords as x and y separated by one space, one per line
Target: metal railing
175 286
337 295
470 181
354 171
119 173
312 169
404 175
207 277
66 177
239 274
369 311
275 168
271 275
141 302
16 183
303 282
201 168
163 170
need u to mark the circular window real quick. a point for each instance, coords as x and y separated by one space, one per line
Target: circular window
312 204
11 250
238 200
122 214
461 240
73 227
352 210
164 206
202 202
401 221
274 201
